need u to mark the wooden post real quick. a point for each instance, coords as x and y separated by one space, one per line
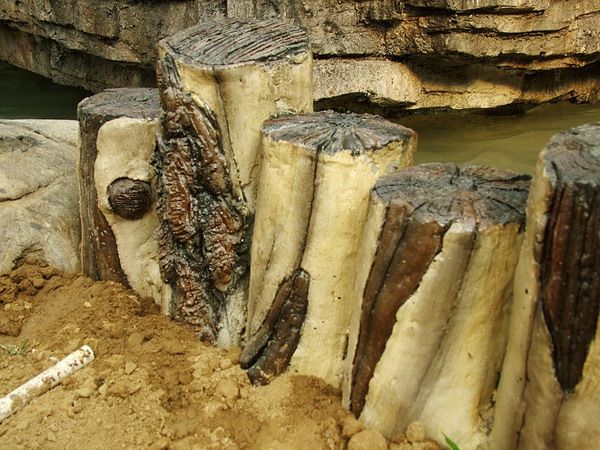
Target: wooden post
431 296
549 392
317 172
218 82
99 253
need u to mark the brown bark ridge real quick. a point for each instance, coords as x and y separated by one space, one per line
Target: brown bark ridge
437 258
316 174
570 255
268 353
218 82
548 396
99 255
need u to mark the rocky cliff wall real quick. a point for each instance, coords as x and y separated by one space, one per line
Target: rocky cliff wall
387 53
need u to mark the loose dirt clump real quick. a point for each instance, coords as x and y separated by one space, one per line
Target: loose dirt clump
153 384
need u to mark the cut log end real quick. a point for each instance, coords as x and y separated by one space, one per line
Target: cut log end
125 102
332 132
483 194
421 203
233 42
570 259
574 155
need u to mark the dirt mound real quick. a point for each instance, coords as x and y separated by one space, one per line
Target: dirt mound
152 384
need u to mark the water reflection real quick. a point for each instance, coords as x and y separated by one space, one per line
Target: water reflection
510 142
25 95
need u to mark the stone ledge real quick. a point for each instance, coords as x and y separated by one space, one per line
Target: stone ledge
387 87
458 52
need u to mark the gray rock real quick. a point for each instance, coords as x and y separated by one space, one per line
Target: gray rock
39 208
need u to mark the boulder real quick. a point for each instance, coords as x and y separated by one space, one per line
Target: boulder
39 207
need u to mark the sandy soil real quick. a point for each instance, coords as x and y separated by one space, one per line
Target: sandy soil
152 384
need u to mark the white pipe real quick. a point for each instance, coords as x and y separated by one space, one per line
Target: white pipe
45 381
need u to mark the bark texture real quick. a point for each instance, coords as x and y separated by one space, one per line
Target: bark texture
218 82
431 296
269 351
570 258
548 395
317 172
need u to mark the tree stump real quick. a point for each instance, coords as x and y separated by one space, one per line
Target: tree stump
218 82
549 393
99 250
317 172
124 179
431 296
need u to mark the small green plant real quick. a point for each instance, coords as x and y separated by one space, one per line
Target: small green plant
21 349
451 443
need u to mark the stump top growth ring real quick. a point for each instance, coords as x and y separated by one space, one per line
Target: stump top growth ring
446 192
237 42
331 132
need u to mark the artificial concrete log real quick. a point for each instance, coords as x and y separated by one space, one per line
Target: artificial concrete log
316 174
99 252
432 292
549 394
124 179
218 82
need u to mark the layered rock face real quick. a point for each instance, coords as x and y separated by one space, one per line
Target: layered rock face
94 44
387 53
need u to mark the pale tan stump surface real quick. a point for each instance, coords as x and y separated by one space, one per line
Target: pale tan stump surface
125 179
317 172
549 393
218 82
432 296
99 252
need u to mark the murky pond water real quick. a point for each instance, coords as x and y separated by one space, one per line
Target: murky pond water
25 95
511 142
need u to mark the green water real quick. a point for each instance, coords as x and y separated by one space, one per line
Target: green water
510 142
25 95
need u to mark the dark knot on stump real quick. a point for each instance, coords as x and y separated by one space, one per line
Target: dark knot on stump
130 199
